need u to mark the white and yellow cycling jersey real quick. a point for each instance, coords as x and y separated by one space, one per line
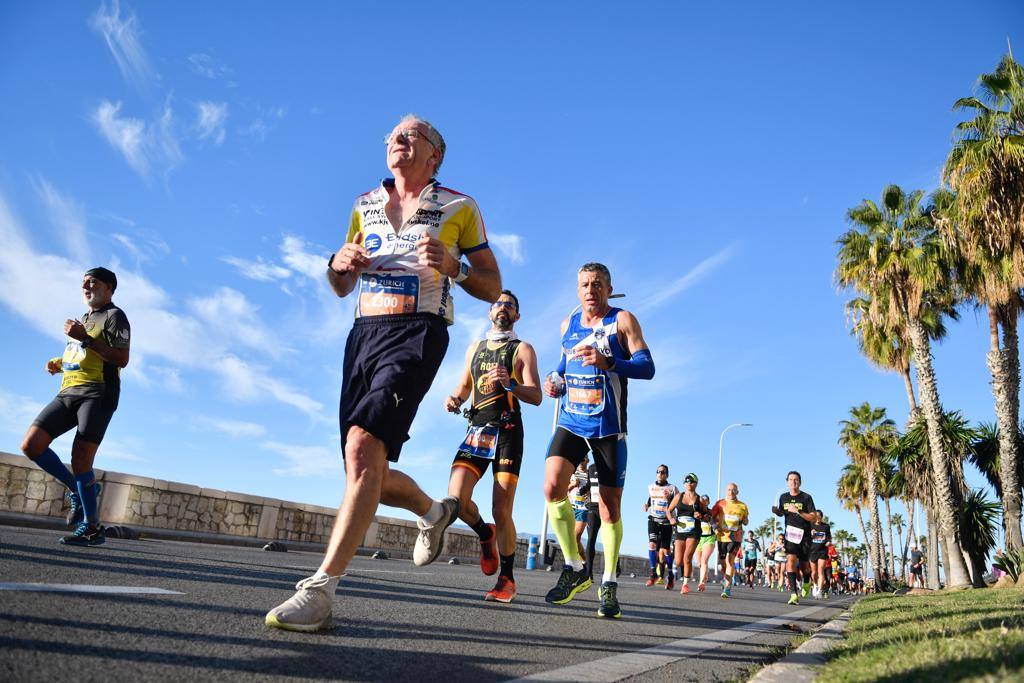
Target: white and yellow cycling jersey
395 282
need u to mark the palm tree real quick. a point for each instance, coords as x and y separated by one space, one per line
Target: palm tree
851 490
898 522
986 226
887 490
984 455
894 255
867 437
980 517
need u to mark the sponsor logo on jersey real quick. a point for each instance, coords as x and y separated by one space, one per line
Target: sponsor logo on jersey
372 243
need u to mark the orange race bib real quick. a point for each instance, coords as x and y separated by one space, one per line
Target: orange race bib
584 394
388 294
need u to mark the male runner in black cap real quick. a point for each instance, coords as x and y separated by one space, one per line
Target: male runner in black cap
97 349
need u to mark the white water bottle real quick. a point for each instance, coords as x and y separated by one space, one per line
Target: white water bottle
557 380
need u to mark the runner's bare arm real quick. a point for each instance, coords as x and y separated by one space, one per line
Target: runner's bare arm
525 367
464 389
640 365
672 506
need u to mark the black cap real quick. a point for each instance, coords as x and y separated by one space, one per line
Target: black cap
104 275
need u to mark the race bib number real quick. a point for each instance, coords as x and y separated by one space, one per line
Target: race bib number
481 442
74 354
685 525
817 536
732 522
388 294
584 394
794 534
659 508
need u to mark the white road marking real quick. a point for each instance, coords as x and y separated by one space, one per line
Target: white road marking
621 666
82 588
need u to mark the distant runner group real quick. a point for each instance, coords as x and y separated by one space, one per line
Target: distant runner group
401 257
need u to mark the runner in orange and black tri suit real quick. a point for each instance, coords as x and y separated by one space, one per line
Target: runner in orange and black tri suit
500 371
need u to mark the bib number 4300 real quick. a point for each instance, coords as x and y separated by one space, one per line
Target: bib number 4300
388 294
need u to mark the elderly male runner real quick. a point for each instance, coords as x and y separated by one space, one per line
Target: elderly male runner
401 256
97 349
500 371
730 515
602 347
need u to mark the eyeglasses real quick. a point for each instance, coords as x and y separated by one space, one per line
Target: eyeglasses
407 137
661 471
503 304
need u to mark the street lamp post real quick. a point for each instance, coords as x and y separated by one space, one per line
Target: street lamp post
721 441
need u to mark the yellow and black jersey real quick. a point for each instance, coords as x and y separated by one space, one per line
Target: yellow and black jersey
492 404
85 373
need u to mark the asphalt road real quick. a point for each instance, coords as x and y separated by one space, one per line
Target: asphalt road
394 621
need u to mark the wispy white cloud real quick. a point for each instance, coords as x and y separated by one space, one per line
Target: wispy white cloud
265 121
307 461
297 254
69 217
143 145
260 270
210 120
208 67
17 412
122 37
230 314
510 245
234 428
689 279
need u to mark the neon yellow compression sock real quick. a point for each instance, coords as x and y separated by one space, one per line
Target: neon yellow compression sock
563 523
611 539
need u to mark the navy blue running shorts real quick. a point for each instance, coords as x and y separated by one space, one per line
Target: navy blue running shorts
90 414
390 363
610 454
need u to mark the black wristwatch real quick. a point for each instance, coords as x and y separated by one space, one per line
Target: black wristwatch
86 343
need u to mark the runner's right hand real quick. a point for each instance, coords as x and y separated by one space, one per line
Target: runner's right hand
452 403
551 389
53 366
352 257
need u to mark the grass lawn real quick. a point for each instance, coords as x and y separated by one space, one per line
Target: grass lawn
975 635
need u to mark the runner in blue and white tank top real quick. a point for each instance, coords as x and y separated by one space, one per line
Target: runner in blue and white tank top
602 347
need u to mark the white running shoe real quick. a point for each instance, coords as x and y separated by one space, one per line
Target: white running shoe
430 541
309 609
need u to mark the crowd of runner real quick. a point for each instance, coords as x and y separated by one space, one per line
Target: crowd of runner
402 255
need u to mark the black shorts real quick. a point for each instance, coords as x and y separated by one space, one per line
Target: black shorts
390 363
508 456
801 550
660 534
749 564
609 454
816 555
726 547
91 414
917 571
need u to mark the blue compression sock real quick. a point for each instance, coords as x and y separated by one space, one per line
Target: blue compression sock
652 556
86 483
51 464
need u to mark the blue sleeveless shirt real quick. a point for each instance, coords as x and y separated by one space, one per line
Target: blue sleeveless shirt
594 402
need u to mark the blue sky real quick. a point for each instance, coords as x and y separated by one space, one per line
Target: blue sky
209 154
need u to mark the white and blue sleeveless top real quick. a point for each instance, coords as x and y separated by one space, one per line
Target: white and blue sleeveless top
594 402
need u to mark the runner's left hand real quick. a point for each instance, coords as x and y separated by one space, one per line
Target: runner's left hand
75 329
432 253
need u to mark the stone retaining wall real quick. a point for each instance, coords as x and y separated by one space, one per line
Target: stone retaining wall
144 502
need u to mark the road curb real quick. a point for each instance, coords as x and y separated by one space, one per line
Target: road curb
802 665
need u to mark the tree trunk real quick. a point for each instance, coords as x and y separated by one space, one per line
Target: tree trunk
911 529
957 574
909 386
864 535
1004 364
892 548
932 533
877 549
903 555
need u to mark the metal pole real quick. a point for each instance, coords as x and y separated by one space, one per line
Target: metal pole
721 441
